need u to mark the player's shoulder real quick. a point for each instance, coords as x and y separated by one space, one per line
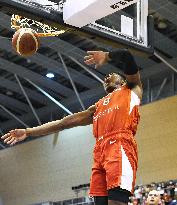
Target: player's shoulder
137 90
135 96
135 99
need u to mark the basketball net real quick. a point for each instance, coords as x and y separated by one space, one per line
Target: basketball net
18 22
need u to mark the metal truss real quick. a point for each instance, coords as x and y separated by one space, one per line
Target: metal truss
167 88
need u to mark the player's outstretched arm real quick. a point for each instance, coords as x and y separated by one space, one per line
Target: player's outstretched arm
118 57
121 58
77 119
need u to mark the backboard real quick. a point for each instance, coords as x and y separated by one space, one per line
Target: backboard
125 18
128 26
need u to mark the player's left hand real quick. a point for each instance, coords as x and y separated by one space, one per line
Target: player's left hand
98 58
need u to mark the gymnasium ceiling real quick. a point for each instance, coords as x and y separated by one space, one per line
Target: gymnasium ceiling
17 111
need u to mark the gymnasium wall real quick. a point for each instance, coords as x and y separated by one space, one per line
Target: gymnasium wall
157 141
41 170
45 169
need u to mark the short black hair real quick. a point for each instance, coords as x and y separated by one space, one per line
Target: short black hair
117 73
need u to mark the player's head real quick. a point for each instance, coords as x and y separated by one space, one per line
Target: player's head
153 198
113 81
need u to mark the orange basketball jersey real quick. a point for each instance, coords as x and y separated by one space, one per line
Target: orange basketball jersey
116 112
114 125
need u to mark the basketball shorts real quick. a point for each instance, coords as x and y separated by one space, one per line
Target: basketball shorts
115 164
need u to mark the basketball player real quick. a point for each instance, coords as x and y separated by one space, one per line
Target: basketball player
115 118
153 198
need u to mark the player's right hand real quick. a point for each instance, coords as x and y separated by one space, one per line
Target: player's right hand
14 136
98 58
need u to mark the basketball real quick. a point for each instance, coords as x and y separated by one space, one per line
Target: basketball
25 42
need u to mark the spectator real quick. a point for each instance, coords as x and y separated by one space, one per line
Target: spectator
153 198
169 199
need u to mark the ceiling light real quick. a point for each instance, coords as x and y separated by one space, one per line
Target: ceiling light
162 24
50 75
